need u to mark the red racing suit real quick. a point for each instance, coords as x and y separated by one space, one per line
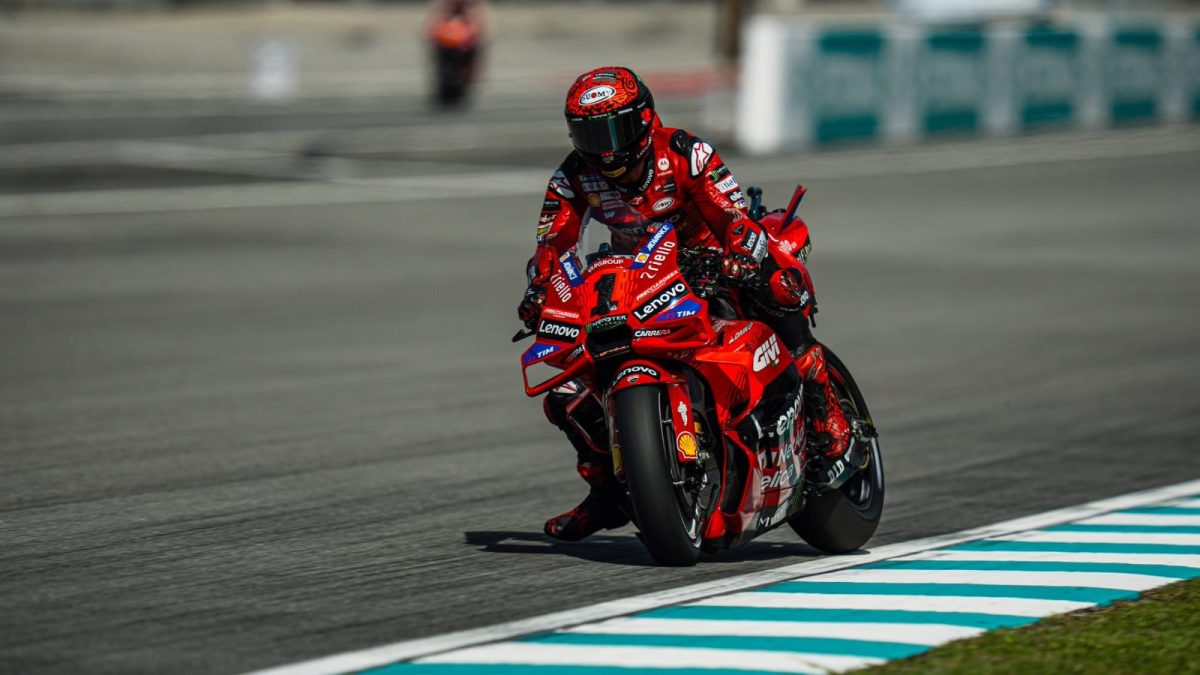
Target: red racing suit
686 184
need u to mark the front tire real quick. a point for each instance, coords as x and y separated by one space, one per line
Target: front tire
842 520
670 530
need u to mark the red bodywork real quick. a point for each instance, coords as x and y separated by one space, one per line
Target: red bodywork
632 321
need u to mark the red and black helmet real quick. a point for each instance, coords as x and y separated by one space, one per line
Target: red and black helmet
610 113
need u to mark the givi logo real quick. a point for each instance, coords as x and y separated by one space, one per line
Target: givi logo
766 354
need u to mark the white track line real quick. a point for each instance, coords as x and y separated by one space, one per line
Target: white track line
526 653
904 633
1108 537
1117 581
1143 519
409 649
1181 560
910 603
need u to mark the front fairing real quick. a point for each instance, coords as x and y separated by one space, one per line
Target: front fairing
604 305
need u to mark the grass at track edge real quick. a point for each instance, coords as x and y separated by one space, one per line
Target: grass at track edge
1157 633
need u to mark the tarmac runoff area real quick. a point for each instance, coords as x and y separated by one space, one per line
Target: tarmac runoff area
841 613
334 51
259 405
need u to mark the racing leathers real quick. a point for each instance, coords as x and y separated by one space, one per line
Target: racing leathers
686 183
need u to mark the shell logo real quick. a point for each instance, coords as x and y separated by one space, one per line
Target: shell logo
687 444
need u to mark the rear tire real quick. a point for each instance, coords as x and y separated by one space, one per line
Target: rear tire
842 520
670 533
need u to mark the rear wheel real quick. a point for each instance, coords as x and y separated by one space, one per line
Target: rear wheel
842 520
669 516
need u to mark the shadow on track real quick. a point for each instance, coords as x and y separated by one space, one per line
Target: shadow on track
617 549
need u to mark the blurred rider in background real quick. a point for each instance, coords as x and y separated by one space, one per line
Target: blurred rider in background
456 30
624 154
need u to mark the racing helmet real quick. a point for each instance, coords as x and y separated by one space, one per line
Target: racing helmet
609 115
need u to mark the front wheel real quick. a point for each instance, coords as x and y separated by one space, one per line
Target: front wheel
842 520
669 518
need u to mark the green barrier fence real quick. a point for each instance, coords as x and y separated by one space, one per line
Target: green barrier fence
901 82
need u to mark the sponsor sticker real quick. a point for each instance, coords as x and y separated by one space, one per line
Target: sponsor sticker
561 287
561 314
664 204
728 184
594 200
554 330
774 482
738 335
606 322
636 370
687 444
657 259
701 153
560 185
569 267
596 95
718 173
661 301
663 163
538 351
646 333
681 311
767 354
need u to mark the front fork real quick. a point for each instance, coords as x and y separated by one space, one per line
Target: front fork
682 429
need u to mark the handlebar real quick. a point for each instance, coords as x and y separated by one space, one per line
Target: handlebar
704 270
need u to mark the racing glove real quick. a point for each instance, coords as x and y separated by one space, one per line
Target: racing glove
530 309
540 266
748 239
739 267
745 251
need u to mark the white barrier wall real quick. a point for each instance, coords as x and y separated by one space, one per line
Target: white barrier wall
806 85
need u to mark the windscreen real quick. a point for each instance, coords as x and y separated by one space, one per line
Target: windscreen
613 228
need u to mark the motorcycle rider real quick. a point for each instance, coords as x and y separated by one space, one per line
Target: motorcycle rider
622 152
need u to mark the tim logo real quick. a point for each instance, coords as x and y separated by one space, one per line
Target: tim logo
766 354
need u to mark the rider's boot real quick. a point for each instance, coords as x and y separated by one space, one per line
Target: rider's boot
575 411
830 436
599 510
830 429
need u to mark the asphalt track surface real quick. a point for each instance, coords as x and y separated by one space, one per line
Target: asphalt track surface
237 434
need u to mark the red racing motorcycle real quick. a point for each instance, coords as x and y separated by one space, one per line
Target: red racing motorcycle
705 407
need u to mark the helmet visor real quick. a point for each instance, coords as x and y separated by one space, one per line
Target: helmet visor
606 133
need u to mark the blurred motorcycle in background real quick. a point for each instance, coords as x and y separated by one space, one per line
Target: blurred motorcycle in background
455 30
